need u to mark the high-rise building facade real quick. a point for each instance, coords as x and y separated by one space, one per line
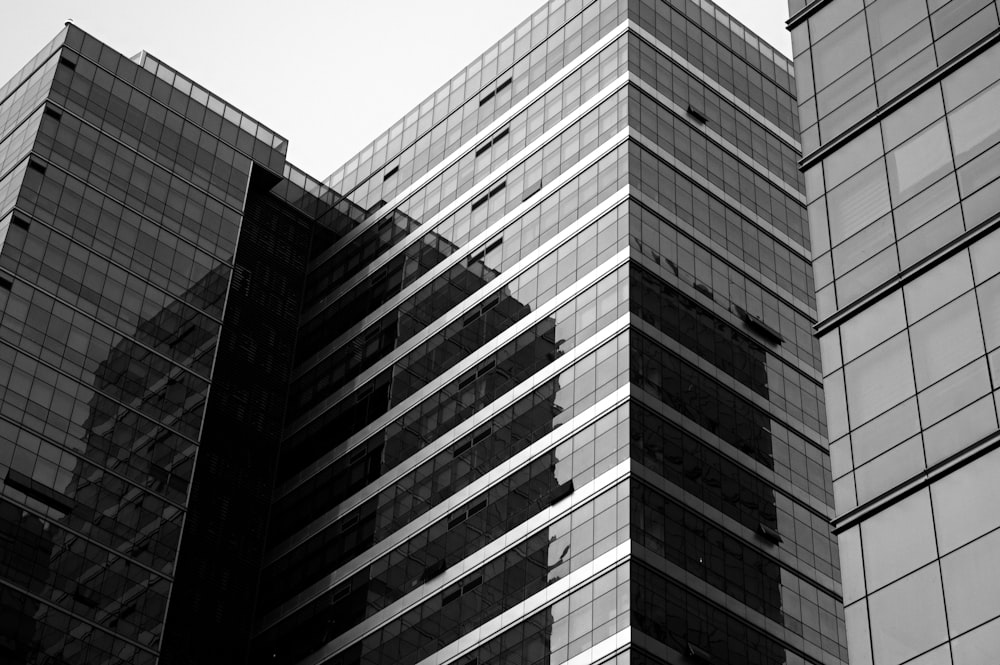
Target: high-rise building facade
531 379
902 155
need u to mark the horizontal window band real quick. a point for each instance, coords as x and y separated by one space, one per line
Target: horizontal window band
903 277
805 13
918 482
472 195
41 493
552 82
493 230
899 101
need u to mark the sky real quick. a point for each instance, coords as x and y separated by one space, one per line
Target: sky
329 75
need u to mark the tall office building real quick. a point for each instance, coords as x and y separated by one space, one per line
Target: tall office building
899 106
531 379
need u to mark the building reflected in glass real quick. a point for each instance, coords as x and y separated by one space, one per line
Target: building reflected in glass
531 379
898 107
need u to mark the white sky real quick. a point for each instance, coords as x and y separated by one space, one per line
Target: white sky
328 75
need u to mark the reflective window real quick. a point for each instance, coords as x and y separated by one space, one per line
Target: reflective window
959 430
917 114
841 51
888 19
836 404
989 310
859 639
951 394
858 202
965 502
847 160
938 286
851 564
898 540
879 379
890 469
972 77
919 162
884 432
978 646
971 583
907 617
926 205
984 254
946 340
873 326
974 126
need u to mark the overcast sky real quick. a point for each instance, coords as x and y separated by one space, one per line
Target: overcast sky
328 75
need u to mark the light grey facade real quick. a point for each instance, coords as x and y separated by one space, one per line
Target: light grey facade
898 101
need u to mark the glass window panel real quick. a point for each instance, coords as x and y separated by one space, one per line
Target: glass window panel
926 205
831 16
814 181
829 346
974 126
868 275
873 326
903 63
931 236
966 500
898 540
845 88
823 270
919 162
959 430
848 114
840 457
983 204
939 656
885 431
836 404
954 392
975 75
840 51
977 646
917 114
857 202
946 340
890 469
907 618
819 232
851 564
863 245
933 289
980 171
859 640
878 380
845 494
888 19
846 161
984 257
989 308
971 583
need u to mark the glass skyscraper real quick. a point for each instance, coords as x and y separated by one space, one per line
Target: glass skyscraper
898 104
531 379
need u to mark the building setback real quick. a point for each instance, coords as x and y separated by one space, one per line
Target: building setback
902 154
531 379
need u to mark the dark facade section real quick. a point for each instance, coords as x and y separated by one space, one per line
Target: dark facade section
531 379
223 537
